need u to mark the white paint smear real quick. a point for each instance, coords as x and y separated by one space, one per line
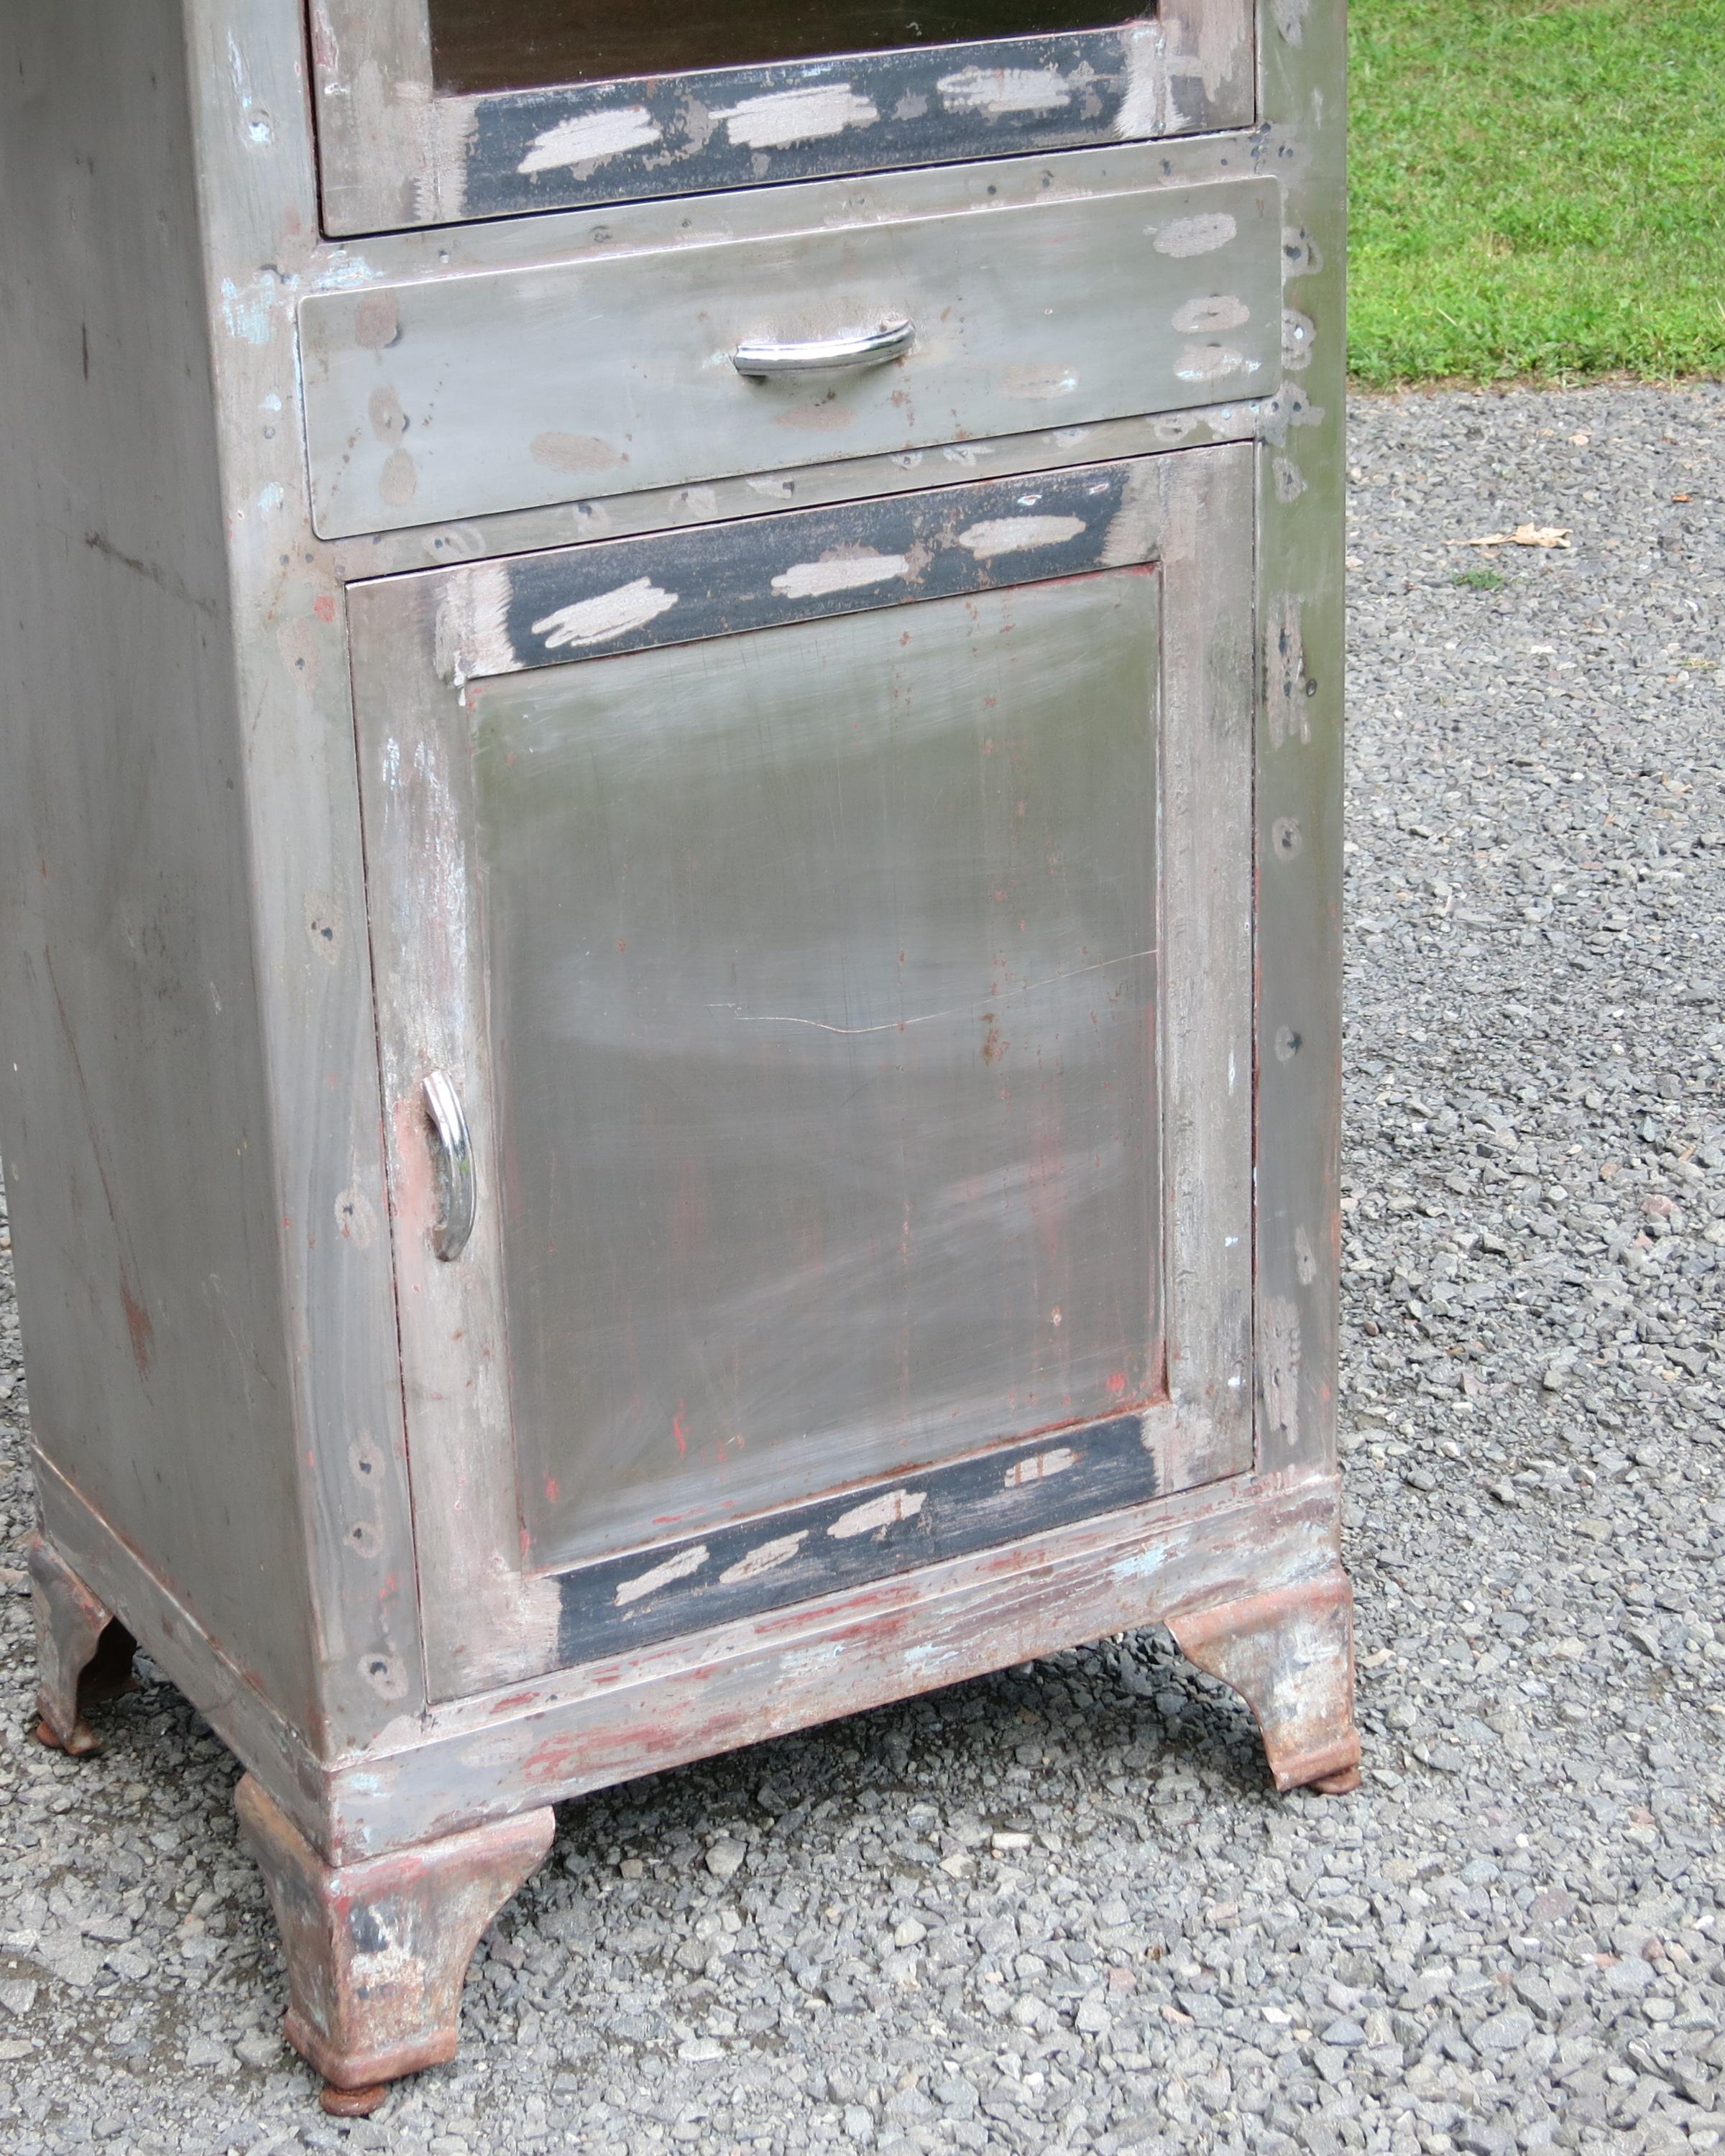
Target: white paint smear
1039 1466
589 138
1147 107
1038 382
768 1558
784 117
1220 311
813 580
611 614
1212 362
1197 235
1017 535
879 1512
996 90
675 1567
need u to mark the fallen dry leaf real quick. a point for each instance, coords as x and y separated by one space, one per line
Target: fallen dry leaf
1524 535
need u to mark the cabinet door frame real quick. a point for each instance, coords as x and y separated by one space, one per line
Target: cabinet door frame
394 152
417 640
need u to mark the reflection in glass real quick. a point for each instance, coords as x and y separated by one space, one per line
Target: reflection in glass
522 44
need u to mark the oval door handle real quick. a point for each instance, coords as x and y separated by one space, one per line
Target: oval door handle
452 1163
762 358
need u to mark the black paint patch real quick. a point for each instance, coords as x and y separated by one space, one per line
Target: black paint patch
727 578
978 1503
695 124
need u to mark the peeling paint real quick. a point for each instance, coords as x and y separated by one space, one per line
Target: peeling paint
249 315
611 614
674 1568
1206 317
1279 1367
1285 671
812 580
589 138
1203 234
767 1559
471 635
784 117
1039 1467
577 454
1017 535
1299 334
1290 479
998 91
879 1512
1213 362
356 1220
1291 19
1038 382
1147 107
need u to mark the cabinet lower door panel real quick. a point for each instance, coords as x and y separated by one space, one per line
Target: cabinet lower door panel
821 964
814 988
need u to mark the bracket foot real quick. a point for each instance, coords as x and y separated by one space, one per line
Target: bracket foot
378 1951
83 1652
1289 1654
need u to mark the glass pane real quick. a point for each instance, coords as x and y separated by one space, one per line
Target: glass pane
822 1030
522 45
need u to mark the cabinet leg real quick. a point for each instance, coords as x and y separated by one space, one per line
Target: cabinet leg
1289 1654
378 1951
83 1652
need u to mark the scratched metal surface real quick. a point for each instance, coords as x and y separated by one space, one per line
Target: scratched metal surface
822 965
457 396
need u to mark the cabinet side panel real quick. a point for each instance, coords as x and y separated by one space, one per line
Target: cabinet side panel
132 1088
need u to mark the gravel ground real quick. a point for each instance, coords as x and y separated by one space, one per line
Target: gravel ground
1061 1908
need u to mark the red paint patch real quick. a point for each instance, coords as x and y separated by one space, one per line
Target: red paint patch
552 1492
324 608
679 1432
138 1325
1116 1383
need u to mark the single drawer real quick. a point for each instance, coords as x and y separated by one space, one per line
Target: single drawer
457 396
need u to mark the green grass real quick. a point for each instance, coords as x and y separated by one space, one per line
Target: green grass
1537 189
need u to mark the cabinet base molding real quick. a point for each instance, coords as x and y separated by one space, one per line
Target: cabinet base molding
378 1951
83 1652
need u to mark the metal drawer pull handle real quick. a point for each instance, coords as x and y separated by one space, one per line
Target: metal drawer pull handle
872 348
452 1161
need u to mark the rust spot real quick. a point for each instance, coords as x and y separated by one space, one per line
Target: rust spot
993 1048
324 607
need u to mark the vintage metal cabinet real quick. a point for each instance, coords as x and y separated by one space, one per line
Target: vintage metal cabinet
671 792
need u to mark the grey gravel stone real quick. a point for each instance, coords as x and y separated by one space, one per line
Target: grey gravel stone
1061 1908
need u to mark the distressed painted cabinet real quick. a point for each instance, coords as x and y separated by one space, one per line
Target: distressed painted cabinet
670 876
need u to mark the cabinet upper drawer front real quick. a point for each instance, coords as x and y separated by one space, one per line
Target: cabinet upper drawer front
459 396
